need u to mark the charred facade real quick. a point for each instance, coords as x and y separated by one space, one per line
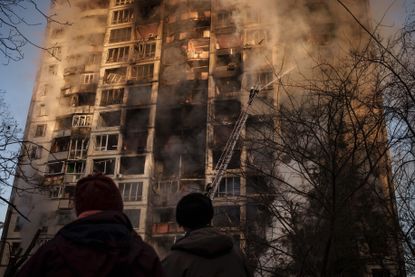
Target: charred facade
148 92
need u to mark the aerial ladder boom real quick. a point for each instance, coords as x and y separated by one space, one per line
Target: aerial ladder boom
227 153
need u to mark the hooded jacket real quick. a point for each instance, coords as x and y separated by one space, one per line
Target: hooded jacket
103 244
205 252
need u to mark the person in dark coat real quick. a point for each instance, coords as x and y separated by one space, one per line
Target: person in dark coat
204 251
101 242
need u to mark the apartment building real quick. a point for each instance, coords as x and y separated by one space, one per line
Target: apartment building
147 92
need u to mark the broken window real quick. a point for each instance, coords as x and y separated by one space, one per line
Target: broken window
109 119
226 216
227 85
143 72
75 167
112 96
227 111
139 95
221 134
63 123
55 168
255 37
229 186
78 148
35 152
104 166
262 79
144 50
81 120
224 18
119 35
137 119
197 49
119 54
115 75
132 165
134 216
87 78
122 16
40 130
60 145
83 99
235 161
135 142
131 191
122 2
257 184
107 142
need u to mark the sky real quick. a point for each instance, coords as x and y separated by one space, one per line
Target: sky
17 78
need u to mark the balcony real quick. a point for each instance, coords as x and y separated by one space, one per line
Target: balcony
166 228
53 180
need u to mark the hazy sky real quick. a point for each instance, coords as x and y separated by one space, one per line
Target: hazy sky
17 78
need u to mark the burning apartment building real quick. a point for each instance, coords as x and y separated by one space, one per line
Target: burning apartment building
148 92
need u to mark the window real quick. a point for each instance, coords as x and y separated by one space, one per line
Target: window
78 148
115 75
253 37
75 167
144 50
57 32
44 90
56 191
81 120
109 119
105 166
18 225
87 78
122 2
92 59
60 145
35 152
140 95
134 142
229 186
42 110
137 119
142 72
134 216
63 123
52 69
106 142
40 130
55 167
235 161
119 54
131 191
132 165
112 96
119 35
261 79
56 52
226 216
122 16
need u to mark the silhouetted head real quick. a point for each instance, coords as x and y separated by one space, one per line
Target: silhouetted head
97 192
194 211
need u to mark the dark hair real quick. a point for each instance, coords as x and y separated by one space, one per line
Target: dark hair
194 211
97 192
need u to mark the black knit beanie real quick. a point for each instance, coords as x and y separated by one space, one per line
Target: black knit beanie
194 211
97 192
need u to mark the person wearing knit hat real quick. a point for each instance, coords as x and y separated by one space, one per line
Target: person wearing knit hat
203 251
100 242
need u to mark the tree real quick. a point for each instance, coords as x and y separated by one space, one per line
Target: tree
327 203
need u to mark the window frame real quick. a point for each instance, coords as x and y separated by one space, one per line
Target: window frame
131 191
